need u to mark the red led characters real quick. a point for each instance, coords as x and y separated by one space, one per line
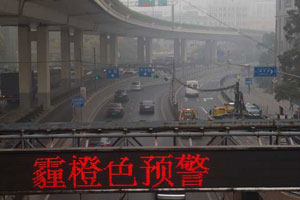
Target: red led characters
121 170
49 173
84 171
162 168
192 169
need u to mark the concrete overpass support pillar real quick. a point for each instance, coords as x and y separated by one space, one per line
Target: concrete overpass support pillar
177 54
65 57
25 70
148 44
210 52
103 49
141 50
113 50
43 68
78 44
183 51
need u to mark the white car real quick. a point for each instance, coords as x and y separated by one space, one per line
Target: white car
136 86
192 89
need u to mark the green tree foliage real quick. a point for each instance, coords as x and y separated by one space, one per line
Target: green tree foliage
288 89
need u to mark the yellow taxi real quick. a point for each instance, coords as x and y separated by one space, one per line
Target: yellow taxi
187 114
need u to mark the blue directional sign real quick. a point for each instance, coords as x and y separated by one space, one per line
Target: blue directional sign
112 73
248 81
145 72
77 102
265 72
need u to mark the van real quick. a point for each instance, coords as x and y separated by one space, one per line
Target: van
189 92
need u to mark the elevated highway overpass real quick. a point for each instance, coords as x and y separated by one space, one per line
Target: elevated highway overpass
107 18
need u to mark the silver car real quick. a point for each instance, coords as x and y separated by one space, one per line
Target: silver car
136 86
253 110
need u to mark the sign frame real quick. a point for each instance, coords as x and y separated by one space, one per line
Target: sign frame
261 71
248 81
259 154
112 73
145 72
78 102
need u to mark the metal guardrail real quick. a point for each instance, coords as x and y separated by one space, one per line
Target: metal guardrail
276 127
221 132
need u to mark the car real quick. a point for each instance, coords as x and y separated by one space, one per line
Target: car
99 142
136 86
187 114
191 89
121 96
121 70
147 106
130 72
115 110
253 110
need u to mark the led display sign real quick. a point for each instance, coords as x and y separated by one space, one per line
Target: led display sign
146 3
149 170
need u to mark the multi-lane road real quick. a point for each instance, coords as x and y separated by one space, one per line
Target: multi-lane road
159 93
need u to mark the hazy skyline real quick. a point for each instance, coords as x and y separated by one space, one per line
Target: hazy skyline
255 14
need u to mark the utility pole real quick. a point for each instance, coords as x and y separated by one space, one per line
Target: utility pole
248 69
173 17
239 104
95 78
237 98
173 82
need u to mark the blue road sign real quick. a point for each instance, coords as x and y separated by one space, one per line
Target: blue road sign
248 81
77 102
112 73
265 72
145 72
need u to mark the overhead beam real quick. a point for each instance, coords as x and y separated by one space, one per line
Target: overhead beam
41 14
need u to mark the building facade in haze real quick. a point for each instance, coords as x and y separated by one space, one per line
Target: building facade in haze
239 14
282 7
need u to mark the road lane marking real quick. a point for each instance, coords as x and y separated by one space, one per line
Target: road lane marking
210 98
221 100
177 91
204 110
209 196
161 106
96 111
47 197
40 118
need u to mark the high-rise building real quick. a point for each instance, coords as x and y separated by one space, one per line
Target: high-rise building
262 15
282 7
230 12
